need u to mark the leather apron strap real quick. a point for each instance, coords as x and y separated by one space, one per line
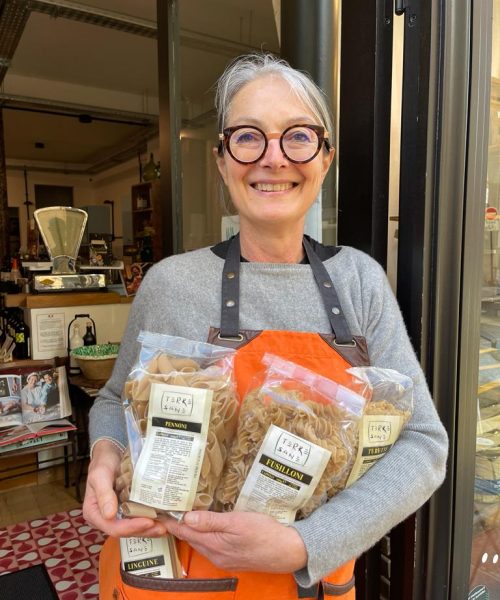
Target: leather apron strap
230 312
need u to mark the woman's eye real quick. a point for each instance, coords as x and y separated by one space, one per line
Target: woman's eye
247 137
300 136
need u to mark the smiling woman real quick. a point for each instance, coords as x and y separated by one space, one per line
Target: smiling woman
268 189
270 289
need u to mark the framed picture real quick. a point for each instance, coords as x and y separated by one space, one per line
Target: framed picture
132 276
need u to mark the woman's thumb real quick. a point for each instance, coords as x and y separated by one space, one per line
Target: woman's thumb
107 501
204 520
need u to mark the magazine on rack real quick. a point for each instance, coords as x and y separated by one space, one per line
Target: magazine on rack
33 403
23 436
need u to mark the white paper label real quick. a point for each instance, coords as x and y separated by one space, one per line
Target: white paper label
283 476
377 434
146 556
167 472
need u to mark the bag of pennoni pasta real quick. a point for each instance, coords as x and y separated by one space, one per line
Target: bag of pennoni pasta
384 416
295 444
181 413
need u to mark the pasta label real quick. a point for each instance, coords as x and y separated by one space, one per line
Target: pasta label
283 476
378 433
169 466
153 557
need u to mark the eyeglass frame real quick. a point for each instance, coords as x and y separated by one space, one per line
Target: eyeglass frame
319 130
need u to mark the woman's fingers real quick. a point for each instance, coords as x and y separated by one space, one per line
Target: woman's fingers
100 506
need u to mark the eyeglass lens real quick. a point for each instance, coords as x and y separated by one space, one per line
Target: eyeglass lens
298 144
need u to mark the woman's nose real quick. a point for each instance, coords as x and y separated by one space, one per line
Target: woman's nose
273 156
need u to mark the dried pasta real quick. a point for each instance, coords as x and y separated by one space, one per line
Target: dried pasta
383 407
162 367
308 406
326 425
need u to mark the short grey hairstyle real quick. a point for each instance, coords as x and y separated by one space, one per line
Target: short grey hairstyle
249 67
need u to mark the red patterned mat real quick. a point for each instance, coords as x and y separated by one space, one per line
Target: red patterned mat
67 545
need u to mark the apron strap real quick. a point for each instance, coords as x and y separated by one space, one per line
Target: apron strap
230 300
331 300
230 295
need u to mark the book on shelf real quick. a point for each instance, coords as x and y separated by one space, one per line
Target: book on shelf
40 430
31 395
32 442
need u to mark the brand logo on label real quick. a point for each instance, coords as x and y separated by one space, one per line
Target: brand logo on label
293 449
177 403
138 546
379 431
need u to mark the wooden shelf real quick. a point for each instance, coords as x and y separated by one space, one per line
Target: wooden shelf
71 299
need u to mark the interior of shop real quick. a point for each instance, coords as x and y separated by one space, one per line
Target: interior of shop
79 128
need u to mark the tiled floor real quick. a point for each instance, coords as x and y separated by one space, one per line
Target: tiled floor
67 546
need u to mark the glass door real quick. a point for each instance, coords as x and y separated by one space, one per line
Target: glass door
485 568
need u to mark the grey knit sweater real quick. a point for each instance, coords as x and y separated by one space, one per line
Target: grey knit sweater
181 296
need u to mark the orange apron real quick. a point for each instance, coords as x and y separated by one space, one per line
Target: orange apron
328 354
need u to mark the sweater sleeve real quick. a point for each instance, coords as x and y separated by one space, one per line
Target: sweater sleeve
400 483
106 417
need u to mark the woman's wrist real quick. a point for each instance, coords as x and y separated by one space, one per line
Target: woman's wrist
106 447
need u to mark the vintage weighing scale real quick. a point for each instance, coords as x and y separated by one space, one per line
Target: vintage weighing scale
62 228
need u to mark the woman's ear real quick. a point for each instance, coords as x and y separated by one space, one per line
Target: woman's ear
221 164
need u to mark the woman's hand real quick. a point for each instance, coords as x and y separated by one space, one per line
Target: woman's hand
241 541
101 504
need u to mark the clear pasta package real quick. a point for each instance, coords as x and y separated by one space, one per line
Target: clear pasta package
181 411
295 444
384 417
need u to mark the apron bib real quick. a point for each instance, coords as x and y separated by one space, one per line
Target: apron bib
328 354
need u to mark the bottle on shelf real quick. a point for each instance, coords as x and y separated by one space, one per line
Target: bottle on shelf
22 336
142 202
15 273
75 341
89 337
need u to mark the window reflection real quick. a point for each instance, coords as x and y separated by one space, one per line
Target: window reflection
486 520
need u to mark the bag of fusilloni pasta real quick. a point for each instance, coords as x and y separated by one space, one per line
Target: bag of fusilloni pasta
181 412
302 438
295 444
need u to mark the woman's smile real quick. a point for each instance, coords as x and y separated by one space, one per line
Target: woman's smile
263 186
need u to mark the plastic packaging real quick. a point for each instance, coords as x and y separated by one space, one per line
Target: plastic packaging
384 417
311 410
181 414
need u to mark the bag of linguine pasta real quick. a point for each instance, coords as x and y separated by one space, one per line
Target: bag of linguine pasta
181 411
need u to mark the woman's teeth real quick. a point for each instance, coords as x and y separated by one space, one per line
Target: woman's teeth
272 187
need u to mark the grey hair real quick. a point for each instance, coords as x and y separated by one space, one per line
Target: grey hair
249 67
